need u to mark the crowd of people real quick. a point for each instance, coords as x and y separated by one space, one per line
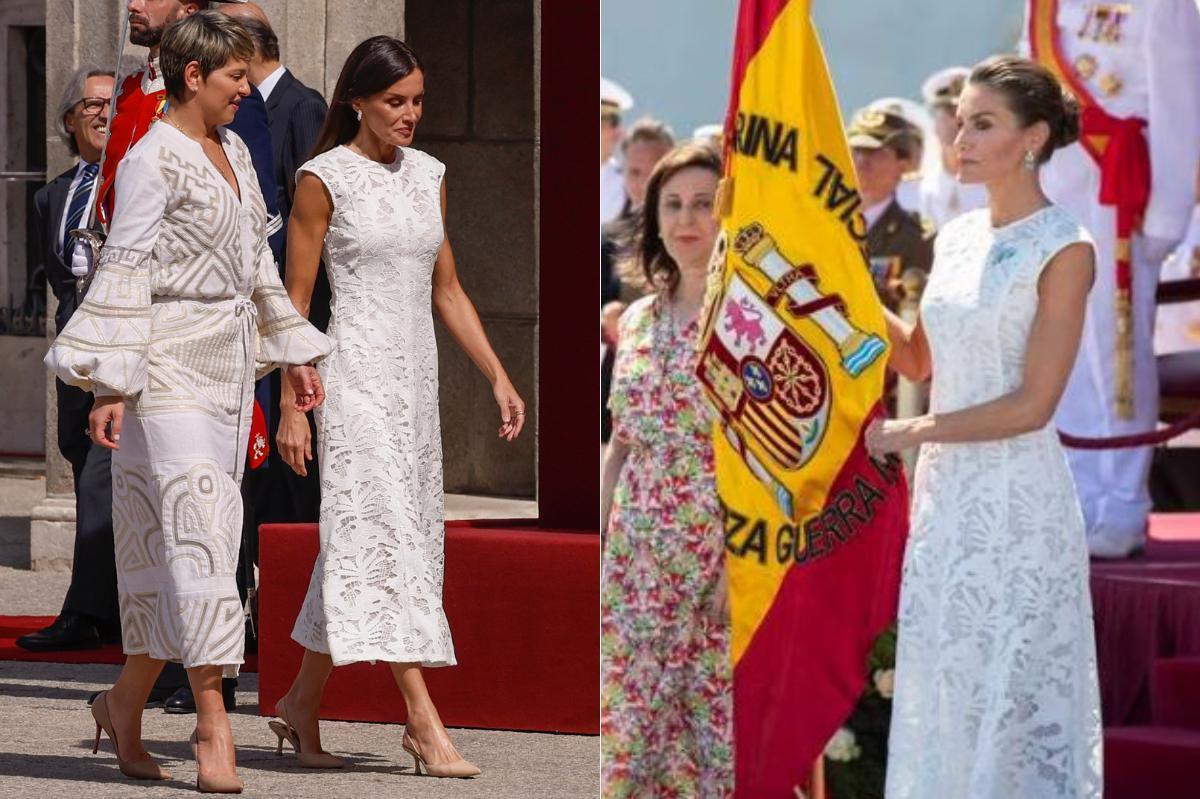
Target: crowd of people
245 335
1037 257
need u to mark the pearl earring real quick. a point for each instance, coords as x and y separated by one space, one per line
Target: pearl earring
358 115
1030 160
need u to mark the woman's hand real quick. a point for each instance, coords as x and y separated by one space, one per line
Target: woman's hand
306 383
512 409
294 440
720 597
895 435
106 411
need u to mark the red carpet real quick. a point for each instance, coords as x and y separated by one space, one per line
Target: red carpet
13 627
523 605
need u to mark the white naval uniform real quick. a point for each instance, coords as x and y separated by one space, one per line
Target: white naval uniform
612 191
943 197
1157 62
1177 328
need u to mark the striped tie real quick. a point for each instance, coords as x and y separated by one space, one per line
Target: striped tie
78 208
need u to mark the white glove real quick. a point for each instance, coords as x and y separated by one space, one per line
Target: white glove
81 259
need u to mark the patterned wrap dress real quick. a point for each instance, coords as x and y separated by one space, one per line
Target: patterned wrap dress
185 310
996 691
667 693
376 589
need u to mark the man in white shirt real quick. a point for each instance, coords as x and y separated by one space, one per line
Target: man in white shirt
942 196
614 101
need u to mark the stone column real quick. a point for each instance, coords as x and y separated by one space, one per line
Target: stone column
77 33
479 120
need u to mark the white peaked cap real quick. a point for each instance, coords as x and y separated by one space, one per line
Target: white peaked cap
612 93
708 131
941 80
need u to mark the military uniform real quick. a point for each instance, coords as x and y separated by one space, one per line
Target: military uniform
897 240
1134 66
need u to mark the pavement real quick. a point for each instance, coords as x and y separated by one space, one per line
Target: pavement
46 730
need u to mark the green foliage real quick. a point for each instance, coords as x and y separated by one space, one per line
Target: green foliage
863 777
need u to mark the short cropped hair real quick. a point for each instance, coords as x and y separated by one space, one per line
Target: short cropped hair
209 38
265 40
72 94
648 130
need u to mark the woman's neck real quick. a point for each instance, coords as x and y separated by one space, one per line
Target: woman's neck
1015 196
688 295
368 144
187 117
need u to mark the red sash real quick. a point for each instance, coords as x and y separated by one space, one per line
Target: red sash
1119 148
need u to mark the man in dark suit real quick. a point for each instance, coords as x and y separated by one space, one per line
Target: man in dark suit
89 615
295 115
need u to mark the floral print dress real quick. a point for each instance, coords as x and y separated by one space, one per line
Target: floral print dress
666 698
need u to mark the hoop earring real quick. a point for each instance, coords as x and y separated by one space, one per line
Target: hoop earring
1030 160
358 115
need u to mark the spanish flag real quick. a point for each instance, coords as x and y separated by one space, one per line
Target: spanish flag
793 358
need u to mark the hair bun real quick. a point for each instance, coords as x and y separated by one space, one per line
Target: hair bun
1067 130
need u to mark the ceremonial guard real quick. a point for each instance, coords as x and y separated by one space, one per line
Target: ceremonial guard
1133 66
886 146
943 197
614 101
908 193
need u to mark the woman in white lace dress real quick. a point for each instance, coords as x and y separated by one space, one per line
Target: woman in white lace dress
374 208
996 694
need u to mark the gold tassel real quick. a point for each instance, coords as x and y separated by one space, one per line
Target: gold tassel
724 205
1124 355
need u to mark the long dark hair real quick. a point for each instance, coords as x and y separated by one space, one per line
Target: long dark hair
373 66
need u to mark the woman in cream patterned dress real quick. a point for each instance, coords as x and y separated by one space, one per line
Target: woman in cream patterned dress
995 685
185 309
374 207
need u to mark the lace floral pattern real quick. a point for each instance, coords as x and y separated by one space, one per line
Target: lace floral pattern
376 590
996 689
666 696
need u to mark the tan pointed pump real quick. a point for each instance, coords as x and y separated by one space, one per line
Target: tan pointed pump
284 730
223 783
143 769
460 768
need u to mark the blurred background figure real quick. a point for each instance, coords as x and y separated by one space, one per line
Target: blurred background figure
614 101
710 134
908 192
648 141
885 146
943 197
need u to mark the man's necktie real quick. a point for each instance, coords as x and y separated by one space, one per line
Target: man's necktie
78 208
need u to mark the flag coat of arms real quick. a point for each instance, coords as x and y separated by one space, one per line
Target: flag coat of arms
793 359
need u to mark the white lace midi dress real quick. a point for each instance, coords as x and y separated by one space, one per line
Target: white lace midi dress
996 692
376 589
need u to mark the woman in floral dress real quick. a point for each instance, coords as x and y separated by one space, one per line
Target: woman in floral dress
666 704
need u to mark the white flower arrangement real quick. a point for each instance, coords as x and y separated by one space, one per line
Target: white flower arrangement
885 682
843 746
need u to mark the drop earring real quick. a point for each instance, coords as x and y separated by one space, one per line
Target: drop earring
1030 160
358 115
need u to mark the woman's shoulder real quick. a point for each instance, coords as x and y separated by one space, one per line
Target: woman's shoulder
423 160
321 161
639 313
1062 224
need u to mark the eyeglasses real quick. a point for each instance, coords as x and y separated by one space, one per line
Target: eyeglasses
94 105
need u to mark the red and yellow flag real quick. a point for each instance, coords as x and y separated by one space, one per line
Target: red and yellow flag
793 357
